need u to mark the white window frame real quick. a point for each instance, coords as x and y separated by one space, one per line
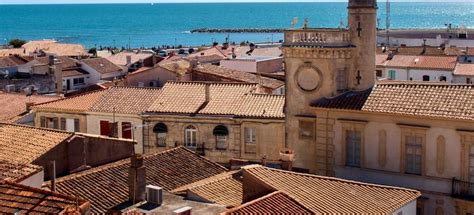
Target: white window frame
250 135
413 154
190 137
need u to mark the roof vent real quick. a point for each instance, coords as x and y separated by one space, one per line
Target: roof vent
183 211
154 195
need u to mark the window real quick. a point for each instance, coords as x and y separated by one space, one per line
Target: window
221 133
426 78
250 135
78 81
104 128
190 137
127 130
341 80
378 73
443 78
160 131
77 125
306 129
63 124
49 122
413 154
353 148
392 75
468 81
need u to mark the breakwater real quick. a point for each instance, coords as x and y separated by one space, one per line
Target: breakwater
238 30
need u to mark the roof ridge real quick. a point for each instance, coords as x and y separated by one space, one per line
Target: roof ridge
210 83
37 128
337 179
135 87
206 181
422 83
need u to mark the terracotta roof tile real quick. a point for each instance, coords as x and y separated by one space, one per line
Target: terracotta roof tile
434 62
27 143
14 51
16 198
381 59
74 72
14 104
273 203
328 195
79 103
180 67
206 58
101 65
6 62
262 106
126 100
403 61
409 98
223 189
239 76
266 52
15 172
120 59
464 69
50 46
107 186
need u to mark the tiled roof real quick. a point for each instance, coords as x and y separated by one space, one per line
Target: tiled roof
434 62
179 67
101 65
328 195
74 72
66 62
223 189
121 58
415 50
206 58
14 51
15 172
107 186
262 106
216 50
50 46
126 100
238 76
79 103
11 61
16 198
266 52
409 98
273 203
465 69
236 99
14 104
381 59
421 62
23 144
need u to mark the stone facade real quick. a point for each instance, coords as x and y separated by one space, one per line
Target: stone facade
269 136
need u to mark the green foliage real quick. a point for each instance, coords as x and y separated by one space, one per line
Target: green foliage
17 43
93 51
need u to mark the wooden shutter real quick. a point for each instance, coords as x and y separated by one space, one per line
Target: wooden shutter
77 125
104 128
63 123
56 123
43 122
126 130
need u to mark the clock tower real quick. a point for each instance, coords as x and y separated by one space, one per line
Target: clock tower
325 63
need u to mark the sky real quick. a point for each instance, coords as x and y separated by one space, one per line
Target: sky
187 1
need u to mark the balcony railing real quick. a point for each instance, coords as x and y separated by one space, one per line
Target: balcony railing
318 37
462 189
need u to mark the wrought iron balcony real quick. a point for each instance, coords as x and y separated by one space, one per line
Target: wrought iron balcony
312 37
462 189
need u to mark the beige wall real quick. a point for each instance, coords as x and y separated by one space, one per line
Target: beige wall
81 116
93 125
270 136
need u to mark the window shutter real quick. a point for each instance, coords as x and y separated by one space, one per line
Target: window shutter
43 122
104 128
63 123
55 123
77 125
126 130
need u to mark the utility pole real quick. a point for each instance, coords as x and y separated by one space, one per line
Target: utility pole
387 23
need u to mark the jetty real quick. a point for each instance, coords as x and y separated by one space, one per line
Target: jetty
238 30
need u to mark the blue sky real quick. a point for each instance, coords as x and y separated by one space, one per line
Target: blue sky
182 1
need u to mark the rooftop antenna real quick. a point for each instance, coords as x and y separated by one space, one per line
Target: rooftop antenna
387 22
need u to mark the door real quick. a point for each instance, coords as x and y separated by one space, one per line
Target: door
68 84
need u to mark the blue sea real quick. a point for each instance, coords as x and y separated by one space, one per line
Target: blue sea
147 25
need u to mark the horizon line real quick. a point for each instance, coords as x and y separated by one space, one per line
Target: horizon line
226 2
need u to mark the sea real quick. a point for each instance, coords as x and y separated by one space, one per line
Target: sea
154 25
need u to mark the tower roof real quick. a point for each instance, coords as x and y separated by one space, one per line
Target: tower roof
362 3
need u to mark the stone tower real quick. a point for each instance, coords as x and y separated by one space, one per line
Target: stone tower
363 28
325 63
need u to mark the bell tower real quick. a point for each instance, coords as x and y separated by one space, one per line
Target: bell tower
363 28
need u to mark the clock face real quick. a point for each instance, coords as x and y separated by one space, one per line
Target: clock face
308 78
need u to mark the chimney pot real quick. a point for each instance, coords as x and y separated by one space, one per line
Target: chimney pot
136 179
208 92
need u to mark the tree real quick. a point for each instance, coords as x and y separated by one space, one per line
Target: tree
17 43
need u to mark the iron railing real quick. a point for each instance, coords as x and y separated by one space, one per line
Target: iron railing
462 189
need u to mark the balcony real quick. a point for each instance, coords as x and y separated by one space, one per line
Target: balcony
324 38
462 189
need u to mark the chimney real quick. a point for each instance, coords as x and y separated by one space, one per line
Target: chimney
51 60
136 179
183 211
234 56
58 74
264 160
52 175
129 60
287 157
208 92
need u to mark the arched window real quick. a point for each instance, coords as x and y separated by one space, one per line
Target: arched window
160 131
190 137
221 133
443 78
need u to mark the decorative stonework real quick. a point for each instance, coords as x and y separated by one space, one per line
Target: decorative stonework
317 52
308 78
